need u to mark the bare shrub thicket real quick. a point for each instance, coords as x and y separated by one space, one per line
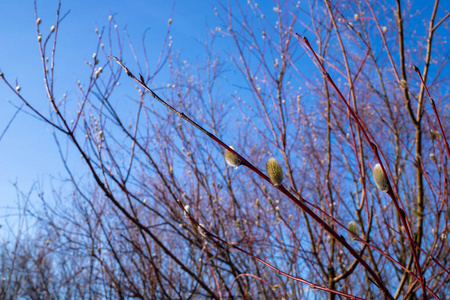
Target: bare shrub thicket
327 88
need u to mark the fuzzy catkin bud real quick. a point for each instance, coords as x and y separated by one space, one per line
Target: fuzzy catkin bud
433 157
200 229
380 180
232 159
187 211
353 227
432 135
275 171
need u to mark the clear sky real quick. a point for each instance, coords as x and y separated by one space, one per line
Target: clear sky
28 153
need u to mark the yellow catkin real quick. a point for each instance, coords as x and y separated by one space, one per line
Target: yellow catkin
432 135
275 171
231 158
353 227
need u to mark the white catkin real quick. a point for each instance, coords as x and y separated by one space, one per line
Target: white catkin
433 157
187 211
200 229
380 180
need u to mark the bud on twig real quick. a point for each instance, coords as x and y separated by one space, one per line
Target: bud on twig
433 157
200 229
380 180
438 134
187 211
232 159
432 135
275 171
353 227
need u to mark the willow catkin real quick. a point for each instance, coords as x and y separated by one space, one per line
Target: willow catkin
432 135
201 230
275 171
231 158
380 180
187 211
433 157
353 227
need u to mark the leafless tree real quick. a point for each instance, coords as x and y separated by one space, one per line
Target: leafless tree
351 101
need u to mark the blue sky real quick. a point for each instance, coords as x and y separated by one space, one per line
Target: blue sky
28 153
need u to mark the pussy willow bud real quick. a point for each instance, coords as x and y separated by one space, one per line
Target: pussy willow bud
433 157
200 229
432 135
380 180
232 159
275 171
187 211
353 227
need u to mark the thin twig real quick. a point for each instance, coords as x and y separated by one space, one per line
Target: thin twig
281 188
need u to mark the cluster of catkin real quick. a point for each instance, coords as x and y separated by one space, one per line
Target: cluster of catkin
275 172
